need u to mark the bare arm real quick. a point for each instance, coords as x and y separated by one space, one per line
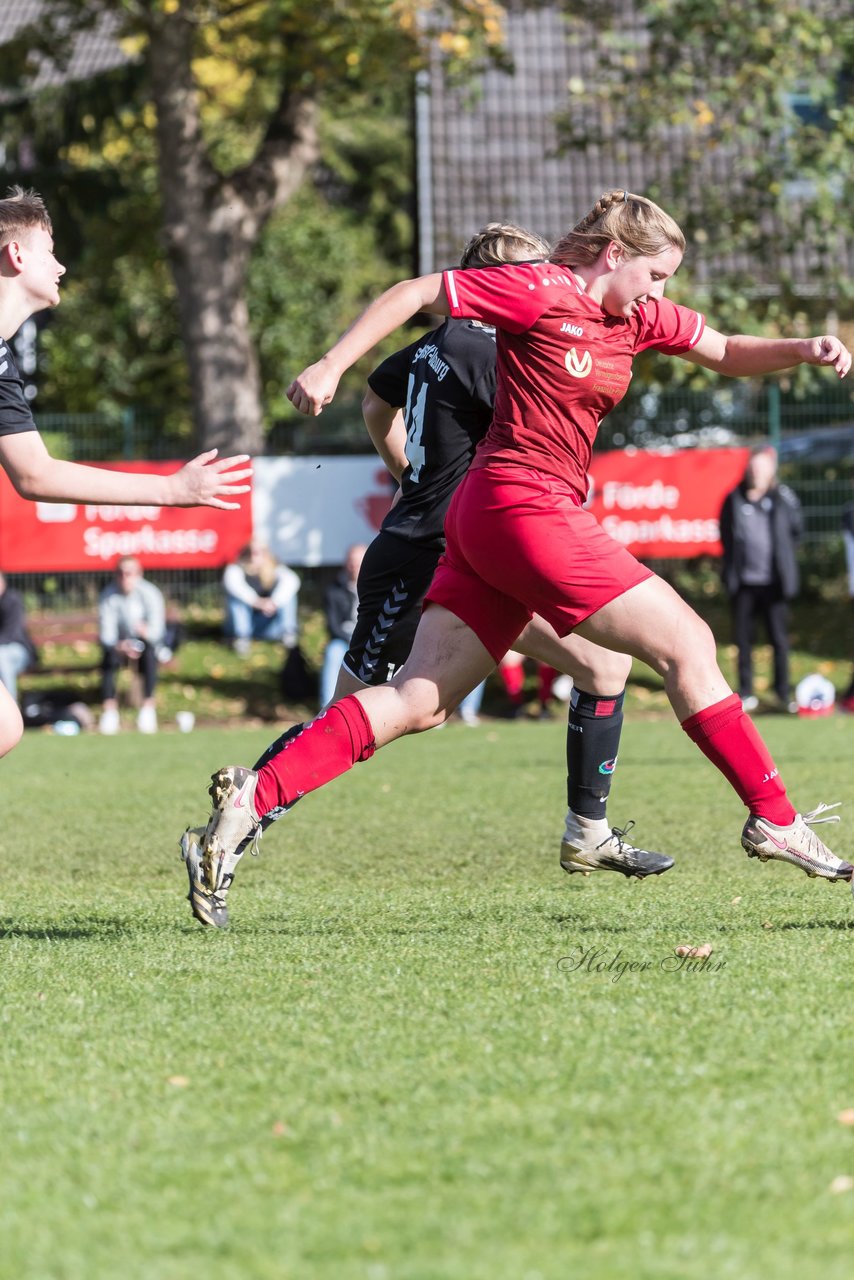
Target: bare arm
387 431
204 482
740 355
316 385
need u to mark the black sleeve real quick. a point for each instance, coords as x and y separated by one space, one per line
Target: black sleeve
15 415
390 379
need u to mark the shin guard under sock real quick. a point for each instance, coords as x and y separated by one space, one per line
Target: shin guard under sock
273 815
593 731
730 739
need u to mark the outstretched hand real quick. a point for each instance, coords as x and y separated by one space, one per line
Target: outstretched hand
313 388
829 350
206 481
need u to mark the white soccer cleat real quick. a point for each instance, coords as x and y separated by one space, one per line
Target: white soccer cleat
796 843
589 844
207 907
233 825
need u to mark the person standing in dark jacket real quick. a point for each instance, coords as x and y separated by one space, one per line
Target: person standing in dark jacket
17 651
761 526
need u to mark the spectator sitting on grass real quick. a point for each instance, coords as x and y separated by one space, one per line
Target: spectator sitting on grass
260 599
131 626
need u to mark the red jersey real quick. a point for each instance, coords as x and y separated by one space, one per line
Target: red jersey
563 362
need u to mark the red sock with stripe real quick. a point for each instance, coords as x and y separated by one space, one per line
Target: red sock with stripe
340 737
730 739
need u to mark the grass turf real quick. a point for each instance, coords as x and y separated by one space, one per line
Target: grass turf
418 1053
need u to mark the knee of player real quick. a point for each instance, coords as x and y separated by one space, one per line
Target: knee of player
694 642
606 674
420 707
423 718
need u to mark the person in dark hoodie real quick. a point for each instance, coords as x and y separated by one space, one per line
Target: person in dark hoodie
761 525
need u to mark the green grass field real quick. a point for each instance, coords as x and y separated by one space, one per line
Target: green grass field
418 1053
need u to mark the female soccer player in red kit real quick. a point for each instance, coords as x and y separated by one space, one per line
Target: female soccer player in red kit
519 541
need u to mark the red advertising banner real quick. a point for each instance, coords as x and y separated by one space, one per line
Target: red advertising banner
46 537
665 505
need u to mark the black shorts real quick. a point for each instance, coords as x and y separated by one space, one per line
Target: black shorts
393 582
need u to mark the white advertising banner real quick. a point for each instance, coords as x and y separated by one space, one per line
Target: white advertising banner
310 510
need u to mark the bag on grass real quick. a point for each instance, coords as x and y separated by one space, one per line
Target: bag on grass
298 683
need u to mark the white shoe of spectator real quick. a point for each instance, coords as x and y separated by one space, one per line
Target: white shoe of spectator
146 721
109 722
562 688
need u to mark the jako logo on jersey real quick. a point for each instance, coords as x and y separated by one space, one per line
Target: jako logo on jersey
574 330
579 368
608 766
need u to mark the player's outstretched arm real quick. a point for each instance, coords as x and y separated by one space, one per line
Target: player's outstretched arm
316 385
206 480
740 355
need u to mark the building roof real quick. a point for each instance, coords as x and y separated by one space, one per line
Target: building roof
92 53
492 151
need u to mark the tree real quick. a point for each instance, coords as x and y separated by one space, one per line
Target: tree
238 89
744 118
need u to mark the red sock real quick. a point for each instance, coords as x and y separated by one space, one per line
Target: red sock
546 677
730 739
513 679
329 746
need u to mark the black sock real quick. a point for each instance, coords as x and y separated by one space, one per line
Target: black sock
592 742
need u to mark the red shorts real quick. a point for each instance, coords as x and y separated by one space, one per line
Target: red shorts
518 544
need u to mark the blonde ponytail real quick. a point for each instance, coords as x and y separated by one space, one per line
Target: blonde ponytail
641 227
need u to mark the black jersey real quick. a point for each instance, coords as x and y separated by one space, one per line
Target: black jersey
445 384
15 414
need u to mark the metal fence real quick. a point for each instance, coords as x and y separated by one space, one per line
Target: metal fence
814 436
